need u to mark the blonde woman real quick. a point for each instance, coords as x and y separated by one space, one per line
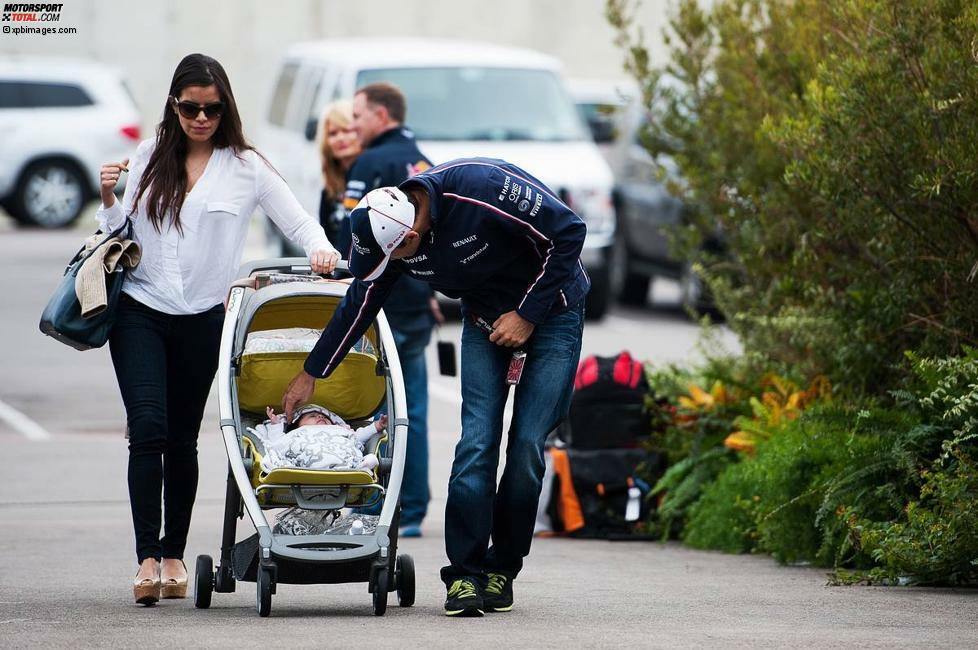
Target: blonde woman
339 146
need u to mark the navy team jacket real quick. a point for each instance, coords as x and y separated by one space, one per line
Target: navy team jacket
500 240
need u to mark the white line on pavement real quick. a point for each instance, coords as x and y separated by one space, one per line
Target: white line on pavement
23 424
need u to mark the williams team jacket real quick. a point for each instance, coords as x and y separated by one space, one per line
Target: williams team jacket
500 240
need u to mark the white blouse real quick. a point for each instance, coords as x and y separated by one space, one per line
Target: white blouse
191 273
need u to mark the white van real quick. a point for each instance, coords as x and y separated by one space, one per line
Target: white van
464 99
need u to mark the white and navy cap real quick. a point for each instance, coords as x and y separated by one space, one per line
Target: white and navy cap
378 224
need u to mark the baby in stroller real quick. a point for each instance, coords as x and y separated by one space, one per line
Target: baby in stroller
316 438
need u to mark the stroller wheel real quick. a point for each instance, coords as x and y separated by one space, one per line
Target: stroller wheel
381 585
404 580
264 601
203 582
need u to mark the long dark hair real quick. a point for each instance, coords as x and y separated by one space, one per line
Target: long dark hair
164 180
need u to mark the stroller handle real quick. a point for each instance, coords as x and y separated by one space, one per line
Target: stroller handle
296 265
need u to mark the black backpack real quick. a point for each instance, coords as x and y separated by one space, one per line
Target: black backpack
608 407
597 493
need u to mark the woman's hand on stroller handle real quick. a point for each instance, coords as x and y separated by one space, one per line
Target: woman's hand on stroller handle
298 393
323 260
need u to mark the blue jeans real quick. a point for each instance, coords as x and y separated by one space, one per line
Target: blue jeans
477 512
415 492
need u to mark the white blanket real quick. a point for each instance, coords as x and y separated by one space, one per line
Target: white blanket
318 446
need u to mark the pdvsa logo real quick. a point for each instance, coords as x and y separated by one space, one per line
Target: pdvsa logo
363 250
31 13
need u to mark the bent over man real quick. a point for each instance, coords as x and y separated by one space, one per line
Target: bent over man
491 234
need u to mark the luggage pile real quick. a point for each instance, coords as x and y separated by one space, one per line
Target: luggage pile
591 487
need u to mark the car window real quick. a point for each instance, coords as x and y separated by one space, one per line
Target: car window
10 96
597 110
482 103
30 94
601 117
315 106
280 97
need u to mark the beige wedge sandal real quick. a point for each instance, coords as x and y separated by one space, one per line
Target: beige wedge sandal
175 587
146 591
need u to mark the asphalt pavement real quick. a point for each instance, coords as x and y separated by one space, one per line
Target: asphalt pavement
66 548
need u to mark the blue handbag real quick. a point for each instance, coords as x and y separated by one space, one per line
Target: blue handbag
62 319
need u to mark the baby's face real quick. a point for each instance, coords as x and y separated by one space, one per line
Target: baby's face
313 419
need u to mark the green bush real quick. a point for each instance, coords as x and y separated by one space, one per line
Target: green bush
936 542
929 467
682 486
891 493
834 145
723 519
771 503
690 436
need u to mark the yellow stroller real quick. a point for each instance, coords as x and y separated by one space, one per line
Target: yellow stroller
369 376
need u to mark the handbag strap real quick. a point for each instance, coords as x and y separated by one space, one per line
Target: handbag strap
81 255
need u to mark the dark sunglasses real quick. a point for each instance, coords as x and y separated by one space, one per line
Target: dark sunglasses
191 110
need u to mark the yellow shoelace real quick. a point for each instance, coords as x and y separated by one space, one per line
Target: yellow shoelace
462 589
496 583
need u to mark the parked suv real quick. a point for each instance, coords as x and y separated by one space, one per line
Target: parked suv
464 100
59 121
645 209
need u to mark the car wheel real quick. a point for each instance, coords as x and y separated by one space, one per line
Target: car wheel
7 205
599 297
50 194
635 289
617 266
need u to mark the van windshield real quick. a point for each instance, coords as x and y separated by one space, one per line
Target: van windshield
478 103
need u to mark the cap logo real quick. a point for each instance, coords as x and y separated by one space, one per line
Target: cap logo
362 250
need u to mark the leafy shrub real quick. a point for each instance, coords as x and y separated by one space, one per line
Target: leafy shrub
698 432
833 146
936 542
723 519
688 428
934 538
771 502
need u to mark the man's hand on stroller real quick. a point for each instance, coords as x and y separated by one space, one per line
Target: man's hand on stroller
298 393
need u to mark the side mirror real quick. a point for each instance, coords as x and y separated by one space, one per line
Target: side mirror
602 128
311 127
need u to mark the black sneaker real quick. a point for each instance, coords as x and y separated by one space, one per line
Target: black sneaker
463 599
498 594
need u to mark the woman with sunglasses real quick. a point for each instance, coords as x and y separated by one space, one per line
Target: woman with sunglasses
190 195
